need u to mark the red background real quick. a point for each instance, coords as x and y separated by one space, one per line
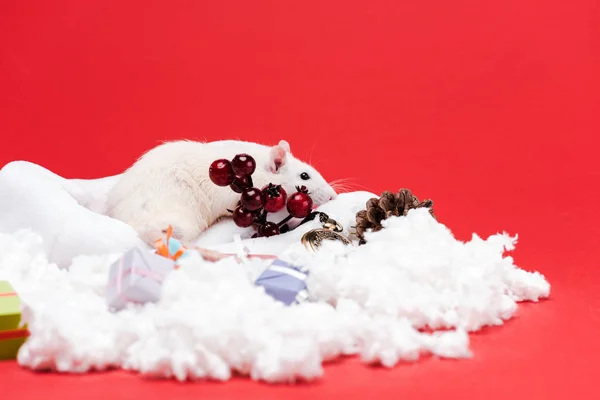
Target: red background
490 108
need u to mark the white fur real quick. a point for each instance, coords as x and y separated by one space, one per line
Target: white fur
169 185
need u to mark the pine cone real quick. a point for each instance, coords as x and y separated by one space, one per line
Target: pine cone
388 205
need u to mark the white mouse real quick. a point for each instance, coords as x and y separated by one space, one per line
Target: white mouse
170 185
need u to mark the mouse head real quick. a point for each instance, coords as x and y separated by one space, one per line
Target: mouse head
286 170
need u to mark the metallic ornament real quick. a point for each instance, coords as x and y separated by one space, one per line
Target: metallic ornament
313 239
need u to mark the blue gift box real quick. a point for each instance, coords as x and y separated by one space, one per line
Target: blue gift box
284 282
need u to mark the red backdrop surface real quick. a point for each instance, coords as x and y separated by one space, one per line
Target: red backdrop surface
490 108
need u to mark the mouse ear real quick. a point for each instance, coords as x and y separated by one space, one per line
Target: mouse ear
277 156
284 145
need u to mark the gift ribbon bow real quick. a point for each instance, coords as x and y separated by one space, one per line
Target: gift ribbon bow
162 247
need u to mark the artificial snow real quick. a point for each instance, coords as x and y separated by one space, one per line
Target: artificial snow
212 320
377 301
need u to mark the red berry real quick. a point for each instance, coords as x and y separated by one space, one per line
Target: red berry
275 197
221 172
268 229
253 199
299 205
243 164
242 217
240 183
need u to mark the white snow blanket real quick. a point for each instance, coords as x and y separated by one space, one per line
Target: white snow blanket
212 321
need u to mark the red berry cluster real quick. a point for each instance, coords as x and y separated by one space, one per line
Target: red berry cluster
256 203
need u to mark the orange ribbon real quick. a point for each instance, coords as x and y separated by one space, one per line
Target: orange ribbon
162 247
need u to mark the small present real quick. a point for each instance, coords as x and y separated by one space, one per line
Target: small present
171 248
284 282
137 277
12 336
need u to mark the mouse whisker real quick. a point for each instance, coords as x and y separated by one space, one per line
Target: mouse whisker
338 187
339 181
314 165
310 155
346 184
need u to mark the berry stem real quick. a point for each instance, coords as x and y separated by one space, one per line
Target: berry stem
286 219
308 218
311 216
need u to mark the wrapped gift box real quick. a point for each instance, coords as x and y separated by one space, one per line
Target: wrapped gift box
137 277
284 282
12 336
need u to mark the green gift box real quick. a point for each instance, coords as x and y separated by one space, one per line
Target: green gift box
12 336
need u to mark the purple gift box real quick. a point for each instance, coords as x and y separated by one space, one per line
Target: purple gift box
284 282
137 277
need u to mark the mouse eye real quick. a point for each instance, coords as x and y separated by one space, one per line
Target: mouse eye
304 176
